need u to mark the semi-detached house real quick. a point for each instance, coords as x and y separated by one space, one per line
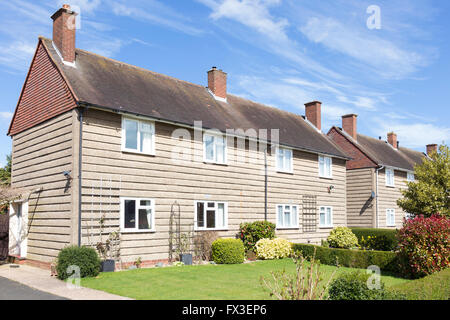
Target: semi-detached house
94 138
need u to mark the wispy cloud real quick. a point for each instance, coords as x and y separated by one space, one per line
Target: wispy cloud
156 13
17 55
4 115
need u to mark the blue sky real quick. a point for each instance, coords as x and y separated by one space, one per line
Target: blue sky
279 52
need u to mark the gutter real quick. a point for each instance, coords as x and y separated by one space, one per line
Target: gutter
376 212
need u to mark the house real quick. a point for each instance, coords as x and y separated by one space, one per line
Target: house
376 174
101 140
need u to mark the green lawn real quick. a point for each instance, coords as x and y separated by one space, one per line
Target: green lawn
433 287
205 282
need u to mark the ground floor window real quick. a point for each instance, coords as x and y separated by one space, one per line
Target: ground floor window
137 215
326 217
287 216
211 215
390 217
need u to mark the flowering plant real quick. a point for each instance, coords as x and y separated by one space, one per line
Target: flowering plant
278 248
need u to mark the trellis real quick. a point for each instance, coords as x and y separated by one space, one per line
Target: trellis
309 213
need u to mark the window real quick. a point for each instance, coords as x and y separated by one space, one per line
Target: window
211 215
390 217
287 216
137 215
390 177
326 217
138 136
410 177
215 148
284 160
325 167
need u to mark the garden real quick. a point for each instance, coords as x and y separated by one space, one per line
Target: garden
352 264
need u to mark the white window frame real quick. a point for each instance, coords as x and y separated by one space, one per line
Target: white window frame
290 226
138 206
324 159
393 177
215 135
139 121
390 212
205 208
277 164
328 224
410 177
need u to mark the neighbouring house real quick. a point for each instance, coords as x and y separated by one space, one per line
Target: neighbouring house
103 140
376 174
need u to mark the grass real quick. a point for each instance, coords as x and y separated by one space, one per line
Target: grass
204 282
432 287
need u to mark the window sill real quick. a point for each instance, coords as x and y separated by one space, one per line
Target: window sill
287 228
326 178
389 186
137 231
211 229
326 227
152 154
285 172
215 163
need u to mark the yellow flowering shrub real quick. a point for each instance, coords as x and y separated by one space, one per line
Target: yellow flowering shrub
269 249
342 237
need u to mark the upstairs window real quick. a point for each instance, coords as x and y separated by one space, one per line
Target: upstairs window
390 177
326 217
287 216
138 136
284 160
410 177
325 167
390 217
211 215
137 215
215 148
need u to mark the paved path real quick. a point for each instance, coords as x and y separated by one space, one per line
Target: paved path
11 290
24 279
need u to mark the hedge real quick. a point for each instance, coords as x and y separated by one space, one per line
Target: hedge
228 251
386 260
386 238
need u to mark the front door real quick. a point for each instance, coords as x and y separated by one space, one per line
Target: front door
18 228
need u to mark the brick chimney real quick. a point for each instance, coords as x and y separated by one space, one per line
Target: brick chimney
64 27
349 125
217 82
392 139
431 148
313 113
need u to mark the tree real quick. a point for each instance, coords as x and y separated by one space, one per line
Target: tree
430 193
5 173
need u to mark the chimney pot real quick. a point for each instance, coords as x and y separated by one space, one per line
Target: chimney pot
431 148
392 139
64 29
217 82
349 125
313 113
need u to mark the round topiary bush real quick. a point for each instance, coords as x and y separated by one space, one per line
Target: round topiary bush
342 237
228 251
269 249
83 257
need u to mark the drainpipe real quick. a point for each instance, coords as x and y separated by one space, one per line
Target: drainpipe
377 170
265 184
80 159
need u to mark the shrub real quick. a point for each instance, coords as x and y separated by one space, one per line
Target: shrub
269 249
342 237
202 244
354 286
350 258
251 232
305 284
376 239
424 246
228 251
84 257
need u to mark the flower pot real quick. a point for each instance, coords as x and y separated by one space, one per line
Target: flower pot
108 265
186 258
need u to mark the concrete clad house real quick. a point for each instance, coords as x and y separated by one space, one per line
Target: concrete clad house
95 138
376 174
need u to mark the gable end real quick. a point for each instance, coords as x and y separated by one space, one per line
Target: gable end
44 96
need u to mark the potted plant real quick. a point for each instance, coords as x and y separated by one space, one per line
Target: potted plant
108 250
184 249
